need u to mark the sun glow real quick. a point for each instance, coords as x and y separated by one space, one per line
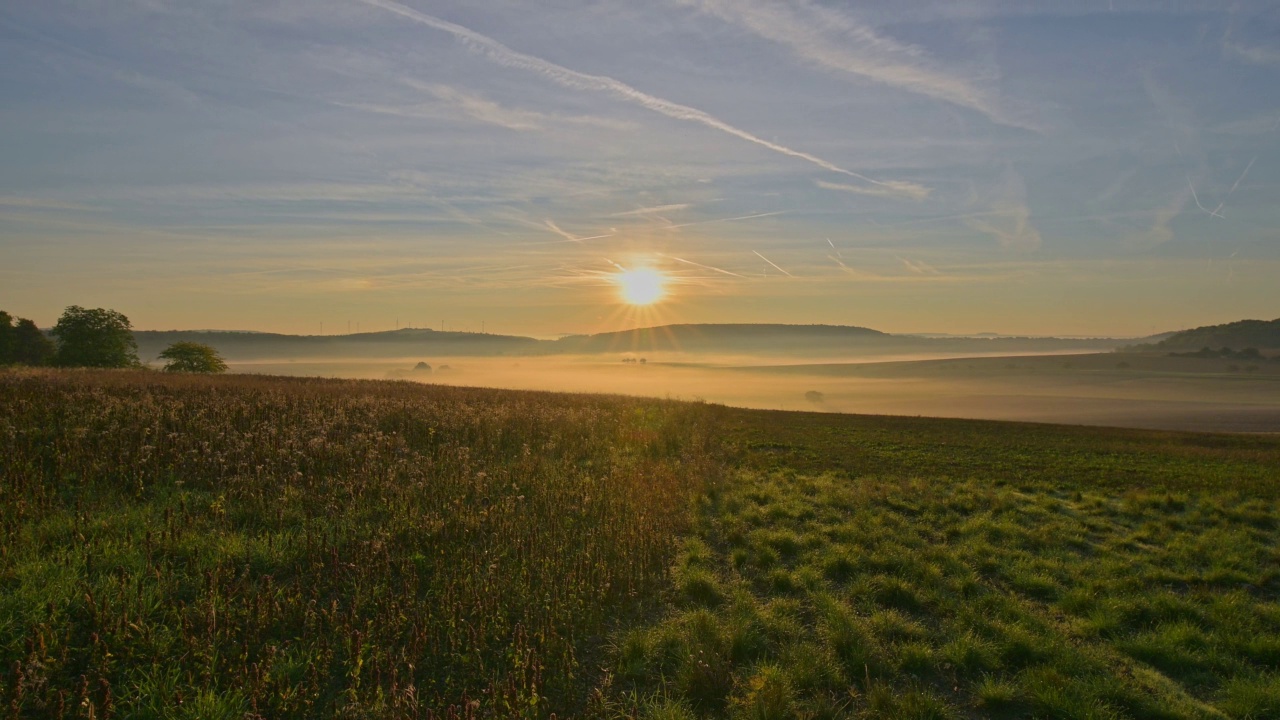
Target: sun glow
641 286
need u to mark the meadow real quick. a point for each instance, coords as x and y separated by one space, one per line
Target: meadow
241 546
216 547
907 568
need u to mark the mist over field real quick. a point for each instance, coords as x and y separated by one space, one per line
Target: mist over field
1086 388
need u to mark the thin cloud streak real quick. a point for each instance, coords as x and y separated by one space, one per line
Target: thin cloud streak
728 219
836 42
704 267
505 56
1194 196
1254 55
774 264
1235 185
570 236
41 204
651 210
903 189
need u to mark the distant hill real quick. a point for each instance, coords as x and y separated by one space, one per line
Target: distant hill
409 342
801 341
720 338
1261 334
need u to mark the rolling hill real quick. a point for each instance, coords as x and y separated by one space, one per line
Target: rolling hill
407 342
765 339
1261 334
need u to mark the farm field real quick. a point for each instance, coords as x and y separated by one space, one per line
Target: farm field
1113 389
251 546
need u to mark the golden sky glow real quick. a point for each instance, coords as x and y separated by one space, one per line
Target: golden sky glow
783 161
641 286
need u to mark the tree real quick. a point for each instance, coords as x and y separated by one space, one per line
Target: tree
23 343
95 338
30 346
193 357
6 338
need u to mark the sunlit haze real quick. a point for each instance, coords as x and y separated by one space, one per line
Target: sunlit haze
309 166
641 286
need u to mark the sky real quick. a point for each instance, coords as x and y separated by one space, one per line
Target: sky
309 166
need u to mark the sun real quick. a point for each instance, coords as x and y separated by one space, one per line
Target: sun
641 286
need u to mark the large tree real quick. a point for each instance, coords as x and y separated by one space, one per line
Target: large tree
30 345
193 357
95 338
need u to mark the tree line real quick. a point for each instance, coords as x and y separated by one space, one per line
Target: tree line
96 338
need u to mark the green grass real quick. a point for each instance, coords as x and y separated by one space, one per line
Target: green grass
261 547
904 568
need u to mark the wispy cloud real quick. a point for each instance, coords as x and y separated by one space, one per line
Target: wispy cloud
451 100
570 236
1008 218
834 41
652 210
712 268
99 65
1263 124
505 56
919 267
896 188
752 216
45 204
485 110
1253 54
1160 231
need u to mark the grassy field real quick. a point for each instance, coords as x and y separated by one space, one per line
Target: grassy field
903 568
267 547
211 547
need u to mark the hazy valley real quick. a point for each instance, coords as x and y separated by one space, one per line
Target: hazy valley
818 368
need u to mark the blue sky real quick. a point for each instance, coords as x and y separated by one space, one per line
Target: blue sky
977 166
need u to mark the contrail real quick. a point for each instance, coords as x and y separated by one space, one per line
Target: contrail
1236 184
705 267
503 55
1195 197
570 236
729 219
651 210
844 267
775 265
